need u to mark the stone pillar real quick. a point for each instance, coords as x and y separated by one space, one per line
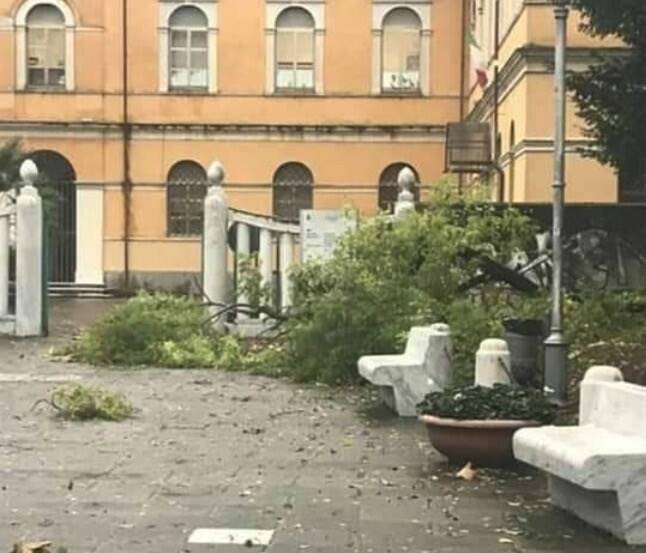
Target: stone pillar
286 261
243 249
493 363
215 242
29 255
4 265
406 199
265 259
439 355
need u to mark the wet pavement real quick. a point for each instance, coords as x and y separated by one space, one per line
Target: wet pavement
325 469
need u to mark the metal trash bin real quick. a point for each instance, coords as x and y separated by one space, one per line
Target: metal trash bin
525 340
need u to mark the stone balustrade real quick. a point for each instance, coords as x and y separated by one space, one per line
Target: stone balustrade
277 247
276 253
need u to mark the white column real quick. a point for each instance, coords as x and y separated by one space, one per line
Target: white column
163 59
270 60
243 248
4 265
406 199
213 61
21 57
215 242
319 61
265 259
89 233
29 255
425 63
376 61
70 65
286 261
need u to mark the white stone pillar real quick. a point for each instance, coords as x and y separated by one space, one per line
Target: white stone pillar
286 261
215 242
4 265
243 249
405 200
439 355
266 257
266 260
493 363
29 255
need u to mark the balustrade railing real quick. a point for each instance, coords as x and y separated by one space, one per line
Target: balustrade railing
277 247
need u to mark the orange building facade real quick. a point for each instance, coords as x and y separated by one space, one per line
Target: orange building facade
315 103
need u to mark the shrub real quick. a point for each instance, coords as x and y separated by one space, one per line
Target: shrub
84 403
498 403
385 277
151 329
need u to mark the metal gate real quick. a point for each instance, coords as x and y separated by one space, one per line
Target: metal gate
59 199
62 237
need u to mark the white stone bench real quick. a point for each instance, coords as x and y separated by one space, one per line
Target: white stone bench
597 470
424 366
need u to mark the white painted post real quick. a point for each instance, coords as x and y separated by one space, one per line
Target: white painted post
29 255
215 241
286 260
405 200
243 249
493 363
4 265
265 259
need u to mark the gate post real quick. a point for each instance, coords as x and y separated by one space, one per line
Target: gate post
215 268
29 257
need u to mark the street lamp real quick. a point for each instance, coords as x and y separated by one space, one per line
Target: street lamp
556 347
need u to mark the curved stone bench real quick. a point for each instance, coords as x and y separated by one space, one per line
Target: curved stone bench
406 378
597 470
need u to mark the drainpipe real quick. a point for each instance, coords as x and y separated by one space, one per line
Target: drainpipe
463 57
463 76
127 184
496 98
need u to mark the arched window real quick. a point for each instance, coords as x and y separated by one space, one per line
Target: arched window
45 47
295 50
292 190
185 199
388 187
188 61
402 41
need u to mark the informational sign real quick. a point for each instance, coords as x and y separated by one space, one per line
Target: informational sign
321 230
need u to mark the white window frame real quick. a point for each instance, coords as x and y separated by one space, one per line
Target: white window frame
210 10
273 9
21 42
380 9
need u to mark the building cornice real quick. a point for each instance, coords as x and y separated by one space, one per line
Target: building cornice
536 60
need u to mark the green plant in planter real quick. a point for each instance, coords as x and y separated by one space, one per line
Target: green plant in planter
501 402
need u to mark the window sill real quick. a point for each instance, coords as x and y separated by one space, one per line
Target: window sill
189 92
45 90
402 94
183 238
298 92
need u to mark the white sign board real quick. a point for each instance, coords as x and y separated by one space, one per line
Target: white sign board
321 230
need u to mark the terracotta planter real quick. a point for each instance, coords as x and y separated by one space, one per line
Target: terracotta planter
485 443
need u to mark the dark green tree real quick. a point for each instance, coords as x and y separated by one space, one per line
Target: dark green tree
11 156
611 93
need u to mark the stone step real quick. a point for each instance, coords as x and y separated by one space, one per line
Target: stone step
79 290
7 324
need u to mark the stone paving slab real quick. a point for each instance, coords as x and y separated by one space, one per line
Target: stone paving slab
323 468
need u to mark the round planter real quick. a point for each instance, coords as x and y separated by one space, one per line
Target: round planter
485 443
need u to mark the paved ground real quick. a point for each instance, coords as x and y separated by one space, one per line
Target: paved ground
324 468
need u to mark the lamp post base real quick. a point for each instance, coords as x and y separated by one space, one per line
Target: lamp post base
556 362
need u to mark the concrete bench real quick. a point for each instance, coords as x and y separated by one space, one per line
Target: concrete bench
424 366
597 470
